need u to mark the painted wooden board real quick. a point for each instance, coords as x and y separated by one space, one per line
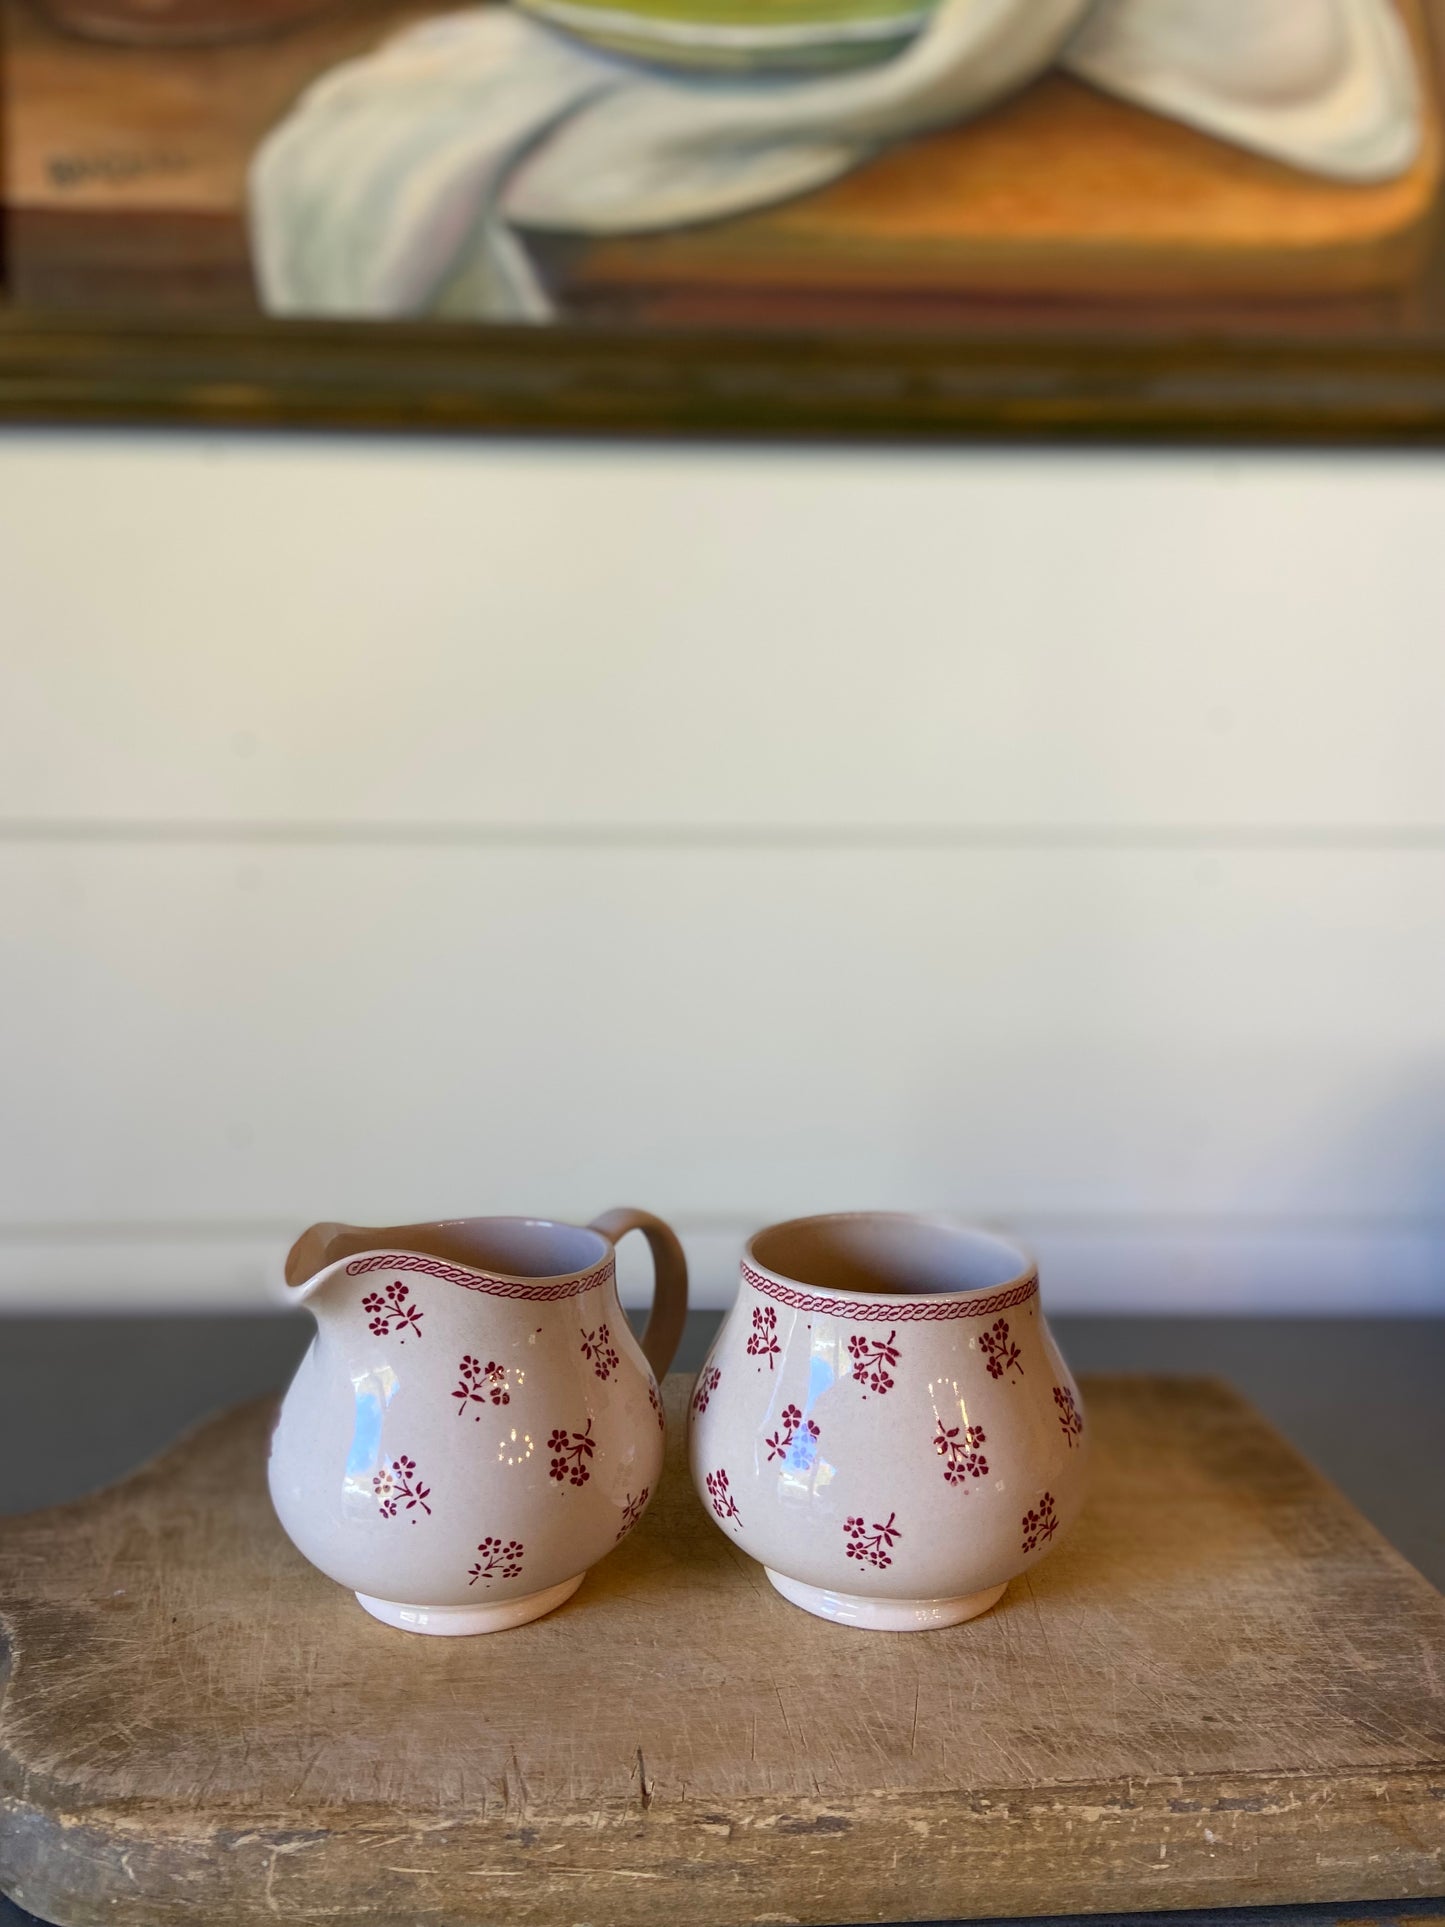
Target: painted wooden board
1060 192
126 182
1226 1689
433 639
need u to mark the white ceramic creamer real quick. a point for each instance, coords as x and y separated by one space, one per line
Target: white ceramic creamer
474 1424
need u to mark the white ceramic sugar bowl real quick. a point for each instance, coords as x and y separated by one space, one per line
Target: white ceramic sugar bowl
884 1420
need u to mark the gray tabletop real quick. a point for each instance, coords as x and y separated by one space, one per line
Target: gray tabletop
83 1401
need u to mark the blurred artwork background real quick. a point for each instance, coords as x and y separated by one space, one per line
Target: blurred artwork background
1130 166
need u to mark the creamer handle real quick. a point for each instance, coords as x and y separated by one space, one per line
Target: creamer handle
669 1281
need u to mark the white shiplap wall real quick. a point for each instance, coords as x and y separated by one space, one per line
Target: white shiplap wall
393 829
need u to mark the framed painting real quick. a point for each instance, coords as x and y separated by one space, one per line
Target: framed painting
893 217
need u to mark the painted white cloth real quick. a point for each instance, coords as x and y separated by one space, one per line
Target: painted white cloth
401 182
1326 85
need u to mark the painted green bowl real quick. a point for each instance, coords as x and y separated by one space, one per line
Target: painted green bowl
741 36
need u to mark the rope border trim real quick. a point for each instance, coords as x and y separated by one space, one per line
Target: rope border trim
889 1310
479 1281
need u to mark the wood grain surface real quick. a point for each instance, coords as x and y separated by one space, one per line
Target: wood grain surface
1225 1689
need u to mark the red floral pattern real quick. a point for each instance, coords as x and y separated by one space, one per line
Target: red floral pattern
1040 1524
796 1439
656 1403
723 1502
571 1452
394 1312
1071 1419
763 1339
957 1446
397 1487
632 1512
500 1559
874 1361
705 1387
598 1349
481 1384
1000 1350
872 1545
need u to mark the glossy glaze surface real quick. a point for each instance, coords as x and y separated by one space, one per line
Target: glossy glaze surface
461 1438
872 1444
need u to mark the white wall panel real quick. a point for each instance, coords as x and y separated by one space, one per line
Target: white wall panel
195 1037
204 631
389 829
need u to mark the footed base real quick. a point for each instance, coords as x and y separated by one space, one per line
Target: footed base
454 1622
885 1615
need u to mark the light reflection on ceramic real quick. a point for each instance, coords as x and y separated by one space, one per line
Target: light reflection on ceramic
884 1420
474 1424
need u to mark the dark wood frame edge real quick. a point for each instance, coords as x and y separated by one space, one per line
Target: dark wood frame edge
57 368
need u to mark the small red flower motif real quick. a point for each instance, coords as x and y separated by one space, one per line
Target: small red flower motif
723 1502
656 1403
958 1447
397 1485
479 1383
796 1440
597 1346
763 1339
1070 1417
705 1387
571 1451
499 1560
394 1312
632 1512
1000 1350
872 1358
1040 1525
873 1545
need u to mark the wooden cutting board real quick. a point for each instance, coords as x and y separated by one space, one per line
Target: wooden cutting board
1224 1689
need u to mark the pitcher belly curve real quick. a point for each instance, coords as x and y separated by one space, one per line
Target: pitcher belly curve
467 1526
